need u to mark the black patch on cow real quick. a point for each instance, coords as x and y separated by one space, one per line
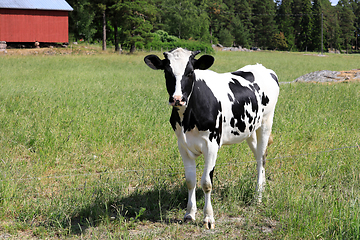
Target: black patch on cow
170 77
235 133
251 128
216 134
247 75
249 116
232 122
230 98
202 111
211 174
175 118
264 99
275 78
254 87
243 95
187 80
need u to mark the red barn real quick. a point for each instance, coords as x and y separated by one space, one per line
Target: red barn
28 21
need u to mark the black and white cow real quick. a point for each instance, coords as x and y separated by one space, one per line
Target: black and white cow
213 109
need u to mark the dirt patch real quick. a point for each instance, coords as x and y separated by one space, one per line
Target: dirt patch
73 50
325 76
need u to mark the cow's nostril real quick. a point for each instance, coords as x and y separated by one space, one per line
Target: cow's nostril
178 103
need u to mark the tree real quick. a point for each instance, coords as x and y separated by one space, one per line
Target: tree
356 10
240 34
305 40
285 21
135 19
240 21
81 20
327 11
217 18
301 10
101 8
318 17
264 22
346 19
279 41
225 37
185 19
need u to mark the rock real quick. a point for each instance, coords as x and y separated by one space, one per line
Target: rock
330 76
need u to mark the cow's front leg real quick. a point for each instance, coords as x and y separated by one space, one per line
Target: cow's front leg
206 184
190 175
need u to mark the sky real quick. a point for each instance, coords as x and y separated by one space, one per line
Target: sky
334 2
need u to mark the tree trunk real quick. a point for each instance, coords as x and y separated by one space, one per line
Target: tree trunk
116 37
104 31
132 48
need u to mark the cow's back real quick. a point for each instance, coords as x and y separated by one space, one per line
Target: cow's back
267 81
245 99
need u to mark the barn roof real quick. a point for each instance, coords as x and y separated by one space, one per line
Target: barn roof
60 5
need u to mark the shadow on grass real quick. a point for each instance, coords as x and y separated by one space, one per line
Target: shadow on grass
157 204
161 203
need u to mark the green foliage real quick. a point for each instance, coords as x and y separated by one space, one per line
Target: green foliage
185 19
134 18
264 22
225 38
229 22
285 22
82 20
346 22
305 28
279 42
163 41
163 36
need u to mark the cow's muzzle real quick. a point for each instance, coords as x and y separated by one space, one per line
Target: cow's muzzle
177 101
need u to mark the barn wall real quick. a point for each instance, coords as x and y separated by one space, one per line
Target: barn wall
33 25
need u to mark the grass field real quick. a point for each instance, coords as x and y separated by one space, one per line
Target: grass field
86 151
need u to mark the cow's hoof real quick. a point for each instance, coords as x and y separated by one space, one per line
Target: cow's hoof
209 223
188 218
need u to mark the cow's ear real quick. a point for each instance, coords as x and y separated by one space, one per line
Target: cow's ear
154 62
204 62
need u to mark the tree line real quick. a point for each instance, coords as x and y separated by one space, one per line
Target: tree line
292 25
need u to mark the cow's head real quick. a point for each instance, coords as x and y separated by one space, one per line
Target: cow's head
179 65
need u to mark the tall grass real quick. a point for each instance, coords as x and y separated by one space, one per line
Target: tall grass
87 150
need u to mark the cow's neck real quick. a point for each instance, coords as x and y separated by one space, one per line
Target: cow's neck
181 111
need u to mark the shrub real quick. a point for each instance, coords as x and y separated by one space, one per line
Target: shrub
162 41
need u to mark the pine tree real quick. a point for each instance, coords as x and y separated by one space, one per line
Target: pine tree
285 21
240 21
185 19
318 17
135 20
356 10
264 22
81 20
304 39
346 19
219 18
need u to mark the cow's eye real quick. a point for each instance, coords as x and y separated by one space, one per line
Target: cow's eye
189 75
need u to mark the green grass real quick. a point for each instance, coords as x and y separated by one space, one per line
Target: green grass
86 150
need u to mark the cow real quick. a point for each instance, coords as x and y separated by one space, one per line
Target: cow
212 109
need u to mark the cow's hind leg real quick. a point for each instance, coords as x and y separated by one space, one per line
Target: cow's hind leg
258 142
206 184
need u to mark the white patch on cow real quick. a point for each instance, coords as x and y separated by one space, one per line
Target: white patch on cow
179 59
